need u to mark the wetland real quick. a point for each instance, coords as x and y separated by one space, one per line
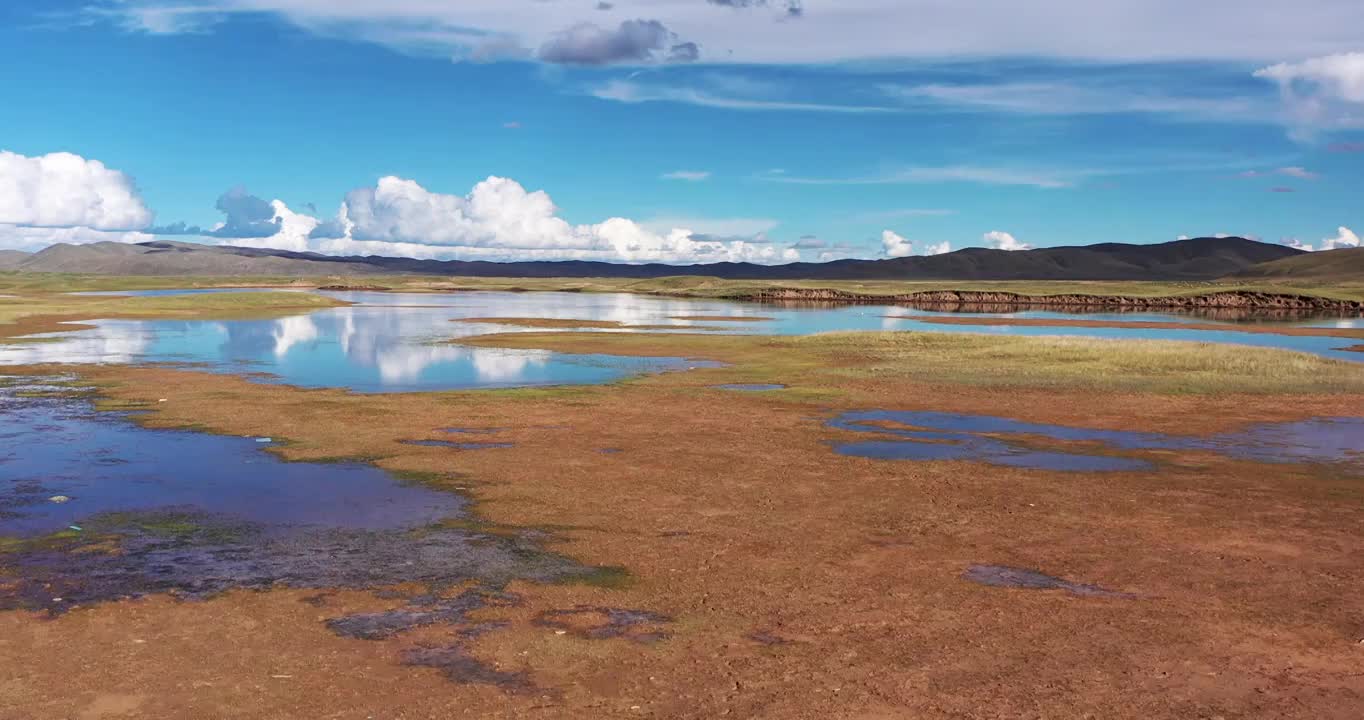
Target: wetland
417 504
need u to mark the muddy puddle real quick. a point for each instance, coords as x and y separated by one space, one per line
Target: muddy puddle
94 508
1023 579
459 445
913 435
603 623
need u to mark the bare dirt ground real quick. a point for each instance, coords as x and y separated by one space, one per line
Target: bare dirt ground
774 578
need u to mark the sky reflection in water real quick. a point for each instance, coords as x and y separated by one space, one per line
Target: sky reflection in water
393 342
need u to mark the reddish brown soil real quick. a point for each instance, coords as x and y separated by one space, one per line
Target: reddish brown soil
801 584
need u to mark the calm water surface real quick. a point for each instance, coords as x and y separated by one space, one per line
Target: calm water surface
96 508
395 341
97 463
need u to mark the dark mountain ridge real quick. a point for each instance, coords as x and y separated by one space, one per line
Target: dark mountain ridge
1195 259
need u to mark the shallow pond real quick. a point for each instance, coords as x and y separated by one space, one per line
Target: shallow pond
367 348
99 463
913 435
93 508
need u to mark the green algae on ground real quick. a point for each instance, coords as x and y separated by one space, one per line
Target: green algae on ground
606 577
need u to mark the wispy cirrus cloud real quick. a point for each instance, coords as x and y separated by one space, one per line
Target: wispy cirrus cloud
1292 171
1075 98
156 18
1043 177
626 91
687 175
1047 179
876 216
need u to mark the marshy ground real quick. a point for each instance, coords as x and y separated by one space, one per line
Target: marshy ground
724 560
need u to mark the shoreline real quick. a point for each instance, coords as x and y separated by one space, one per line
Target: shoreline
1222 300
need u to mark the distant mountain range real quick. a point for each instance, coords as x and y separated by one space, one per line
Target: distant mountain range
1344 264
1196 259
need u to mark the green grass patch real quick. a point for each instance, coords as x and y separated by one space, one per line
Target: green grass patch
1064 362
606 577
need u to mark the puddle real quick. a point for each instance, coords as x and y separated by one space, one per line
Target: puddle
453 659
421 611
1002 441
459 666
458 445
1010 577
58 447
751 387
156 511
603 623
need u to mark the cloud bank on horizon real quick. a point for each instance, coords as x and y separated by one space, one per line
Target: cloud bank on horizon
63 197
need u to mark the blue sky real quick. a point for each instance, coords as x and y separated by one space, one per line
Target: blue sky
711 129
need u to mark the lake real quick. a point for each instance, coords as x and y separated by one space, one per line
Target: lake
396 342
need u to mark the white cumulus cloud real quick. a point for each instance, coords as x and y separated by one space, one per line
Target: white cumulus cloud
941 248
895 246
1345 238
66 190
1003 241
294 231
500 220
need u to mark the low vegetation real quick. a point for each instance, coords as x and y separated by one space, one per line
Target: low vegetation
1080 363
39 312
984 360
